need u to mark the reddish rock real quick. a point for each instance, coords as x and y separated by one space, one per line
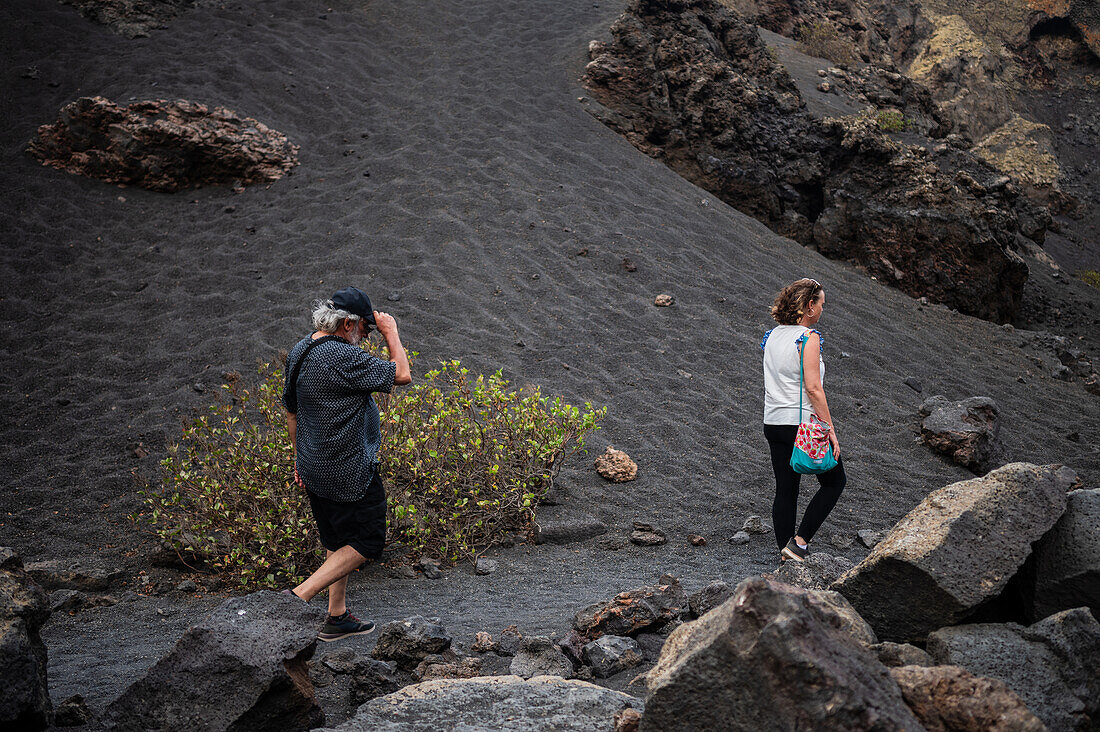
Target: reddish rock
162 145
951 699
628 613
967 432
616 466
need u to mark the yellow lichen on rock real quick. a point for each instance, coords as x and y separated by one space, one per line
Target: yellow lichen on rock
1024 150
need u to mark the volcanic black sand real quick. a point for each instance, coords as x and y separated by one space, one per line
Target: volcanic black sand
447 165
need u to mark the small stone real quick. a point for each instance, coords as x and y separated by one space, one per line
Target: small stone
483 643
629 266
485 566
825 87
869 537
914 383
741 537
187 586
198 387
430 568
612 543
616 466
610 654
755 525
627 720
647 535
663 301
709 597
72 712
394 297
403 571
341 661
697 540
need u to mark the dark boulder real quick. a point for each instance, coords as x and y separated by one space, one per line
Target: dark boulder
1053 665
242 668
131 18
610 654
1067 559
628 613
772 657
408 642
967 432
539 656
371 678
563 525
951 699
817 572
493 704
162 145
710 597
24 607
956 550
72 712
60 575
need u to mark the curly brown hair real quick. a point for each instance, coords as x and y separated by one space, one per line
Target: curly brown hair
792 300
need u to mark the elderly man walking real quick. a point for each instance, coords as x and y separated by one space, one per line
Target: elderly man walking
335 430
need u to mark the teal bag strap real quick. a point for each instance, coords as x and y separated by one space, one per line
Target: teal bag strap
801 365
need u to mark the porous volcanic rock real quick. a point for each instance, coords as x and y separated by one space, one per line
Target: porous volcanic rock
1053 665
901 654
691 83
539 656
242 668
163 145
408 642
628 613
951 699
371 678
771 657
817 572
616 466
131 18
967 431
493 704
610 654
24 607
957 549
1067 559
708 598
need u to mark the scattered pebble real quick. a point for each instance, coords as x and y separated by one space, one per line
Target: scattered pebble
485 566
663 301
187 586
697 540
741 537
755 525
914 383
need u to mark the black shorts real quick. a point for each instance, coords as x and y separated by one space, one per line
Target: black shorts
359 524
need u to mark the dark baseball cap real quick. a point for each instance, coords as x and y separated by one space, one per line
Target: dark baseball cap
356 302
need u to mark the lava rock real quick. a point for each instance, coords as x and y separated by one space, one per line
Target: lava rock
242 668
708 598
1053 665
162 145
341 661
870 538
710 677
741 537
1067 559
914 383
628 613
440 667
894 655
408 642
24 608
817 572
371 678
60 575
483 643
967 432
610 654
562 525
72 712
509 641
539 656
485 566
493 704
957 549
951 699
663 301
616 466
647 535
429 567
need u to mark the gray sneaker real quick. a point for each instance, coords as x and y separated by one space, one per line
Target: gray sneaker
794 551
344 625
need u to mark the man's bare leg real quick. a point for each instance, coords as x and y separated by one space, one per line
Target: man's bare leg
336 569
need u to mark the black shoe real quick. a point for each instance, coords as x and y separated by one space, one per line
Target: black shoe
344 625
794 551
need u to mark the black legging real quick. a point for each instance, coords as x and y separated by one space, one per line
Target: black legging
781 441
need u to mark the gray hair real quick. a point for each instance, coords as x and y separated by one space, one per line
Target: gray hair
327 317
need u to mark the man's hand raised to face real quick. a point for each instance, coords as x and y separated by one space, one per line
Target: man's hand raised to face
385 323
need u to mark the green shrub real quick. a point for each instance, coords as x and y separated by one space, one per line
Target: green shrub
465 459
823 40
1089 277
891 120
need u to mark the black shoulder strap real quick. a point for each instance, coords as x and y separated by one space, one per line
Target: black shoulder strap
292 382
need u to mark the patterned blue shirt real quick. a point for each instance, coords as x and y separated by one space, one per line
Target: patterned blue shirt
339 431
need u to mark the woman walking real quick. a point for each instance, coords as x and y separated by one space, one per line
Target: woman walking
793 346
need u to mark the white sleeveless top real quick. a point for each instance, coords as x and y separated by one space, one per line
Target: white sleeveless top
781 379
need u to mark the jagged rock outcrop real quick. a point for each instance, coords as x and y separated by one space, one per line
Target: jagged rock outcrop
24 696
493 704
967 431
951 699
131 18
956 550
771 657
408 642
692 84
1067 559
163 145
1053 665
242 668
